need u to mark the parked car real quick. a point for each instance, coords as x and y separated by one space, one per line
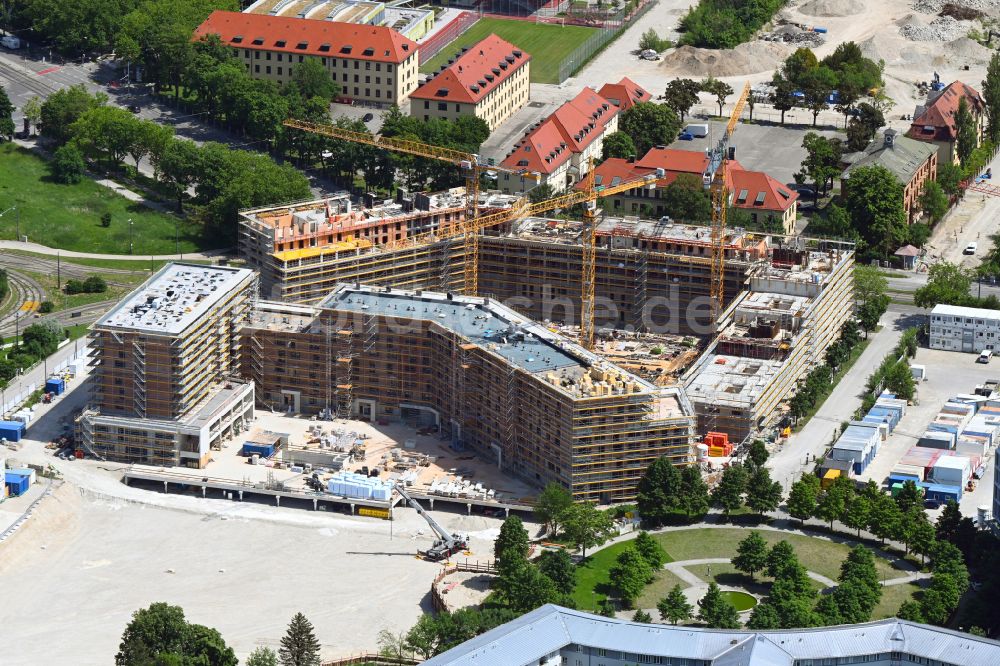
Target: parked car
368 117
971 248
134 108
985 356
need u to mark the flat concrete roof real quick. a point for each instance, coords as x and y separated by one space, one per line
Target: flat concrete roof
174 298
731 379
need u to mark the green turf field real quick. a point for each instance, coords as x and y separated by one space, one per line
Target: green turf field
69 216
548 45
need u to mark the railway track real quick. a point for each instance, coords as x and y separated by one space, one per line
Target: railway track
84 314
31 82
26 294
66 268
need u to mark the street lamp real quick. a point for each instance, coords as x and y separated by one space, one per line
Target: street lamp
130 235
17 220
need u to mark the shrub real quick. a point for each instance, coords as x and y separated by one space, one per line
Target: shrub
95 284
106 220
46 307
67 165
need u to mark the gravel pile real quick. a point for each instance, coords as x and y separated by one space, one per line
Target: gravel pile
941 29
934 6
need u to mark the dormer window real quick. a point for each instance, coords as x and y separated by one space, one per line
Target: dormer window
302 45
280 43
238 39
258 41
368 52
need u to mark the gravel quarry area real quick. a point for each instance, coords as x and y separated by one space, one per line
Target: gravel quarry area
96 550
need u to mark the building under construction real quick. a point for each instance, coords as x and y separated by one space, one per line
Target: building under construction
771 336
648 276
488 378
166 388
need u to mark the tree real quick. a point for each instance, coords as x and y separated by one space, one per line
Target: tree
653 42
658 491
940 599
687 199
680 95
874 200
822 162
264 656
947 283
716 611
540 193
949 176
910 610
179 167
67 165
859 568
884 517
729 493
106 131
630 574
314 80
511 546
650 125
41 340
780 558
32 113
161 628
642 617
899 380
423 637
522 587
802 61
606 608
693 498
62 108
933 201
7 128
763 494
148 138
204 645
965 128
817 85
991 95
720 89
299 646
586 526
758 453
920 233
802 497
651 550
764 616
833 502
618 144
857 512
558 567
783 95
751 554
552 502
920 532
674 607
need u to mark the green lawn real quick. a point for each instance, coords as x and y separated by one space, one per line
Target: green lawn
68 216
548 45
592 580
815 554
892 598
135 264
63 301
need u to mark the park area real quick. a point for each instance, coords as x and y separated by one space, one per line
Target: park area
698 556
68 217
548 45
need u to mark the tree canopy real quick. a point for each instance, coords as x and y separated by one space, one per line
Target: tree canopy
650 125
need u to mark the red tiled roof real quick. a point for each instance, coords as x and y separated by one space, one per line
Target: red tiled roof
316 38
570 129
475 74
745 187
625 94
749 187
940 113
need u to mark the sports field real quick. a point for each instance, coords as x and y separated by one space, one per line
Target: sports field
548 45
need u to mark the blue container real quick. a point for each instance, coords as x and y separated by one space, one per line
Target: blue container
820 30
16 482
263 450
940 493
55 385
12 431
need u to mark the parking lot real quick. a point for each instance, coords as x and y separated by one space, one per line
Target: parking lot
948 374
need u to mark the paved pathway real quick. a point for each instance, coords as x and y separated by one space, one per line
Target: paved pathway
44 249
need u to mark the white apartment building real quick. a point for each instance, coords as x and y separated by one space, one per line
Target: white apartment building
956 328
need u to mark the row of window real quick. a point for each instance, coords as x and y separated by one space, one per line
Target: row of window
327 62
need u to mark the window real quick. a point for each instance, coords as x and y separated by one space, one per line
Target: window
268 71
301 58
268 56
442 106
427 104
256 69
279 72
279 57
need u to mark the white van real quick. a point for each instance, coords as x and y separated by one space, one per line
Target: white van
697 130
10 42
985 356
971 248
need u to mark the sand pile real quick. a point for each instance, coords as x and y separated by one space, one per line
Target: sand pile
832 7
941 29
748 58
963 47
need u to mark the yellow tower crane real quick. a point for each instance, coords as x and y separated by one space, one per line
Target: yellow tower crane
715 178
522 207
468 163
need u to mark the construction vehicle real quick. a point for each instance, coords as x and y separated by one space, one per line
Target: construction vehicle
446 544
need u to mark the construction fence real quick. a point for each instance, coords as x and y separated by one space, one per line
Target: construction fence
611 29
18 392
445 36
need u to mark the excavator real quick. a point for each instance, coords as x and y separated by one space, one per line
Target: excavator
446 544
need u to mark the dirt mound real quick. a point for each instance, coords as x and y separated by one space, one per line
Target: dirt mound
748 58
963 47
832 7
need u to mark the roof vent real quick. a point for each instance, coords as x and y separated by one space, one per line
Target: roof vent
406 47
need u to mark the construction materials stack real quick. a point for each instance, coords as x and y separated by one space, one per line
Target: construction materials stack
359 486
